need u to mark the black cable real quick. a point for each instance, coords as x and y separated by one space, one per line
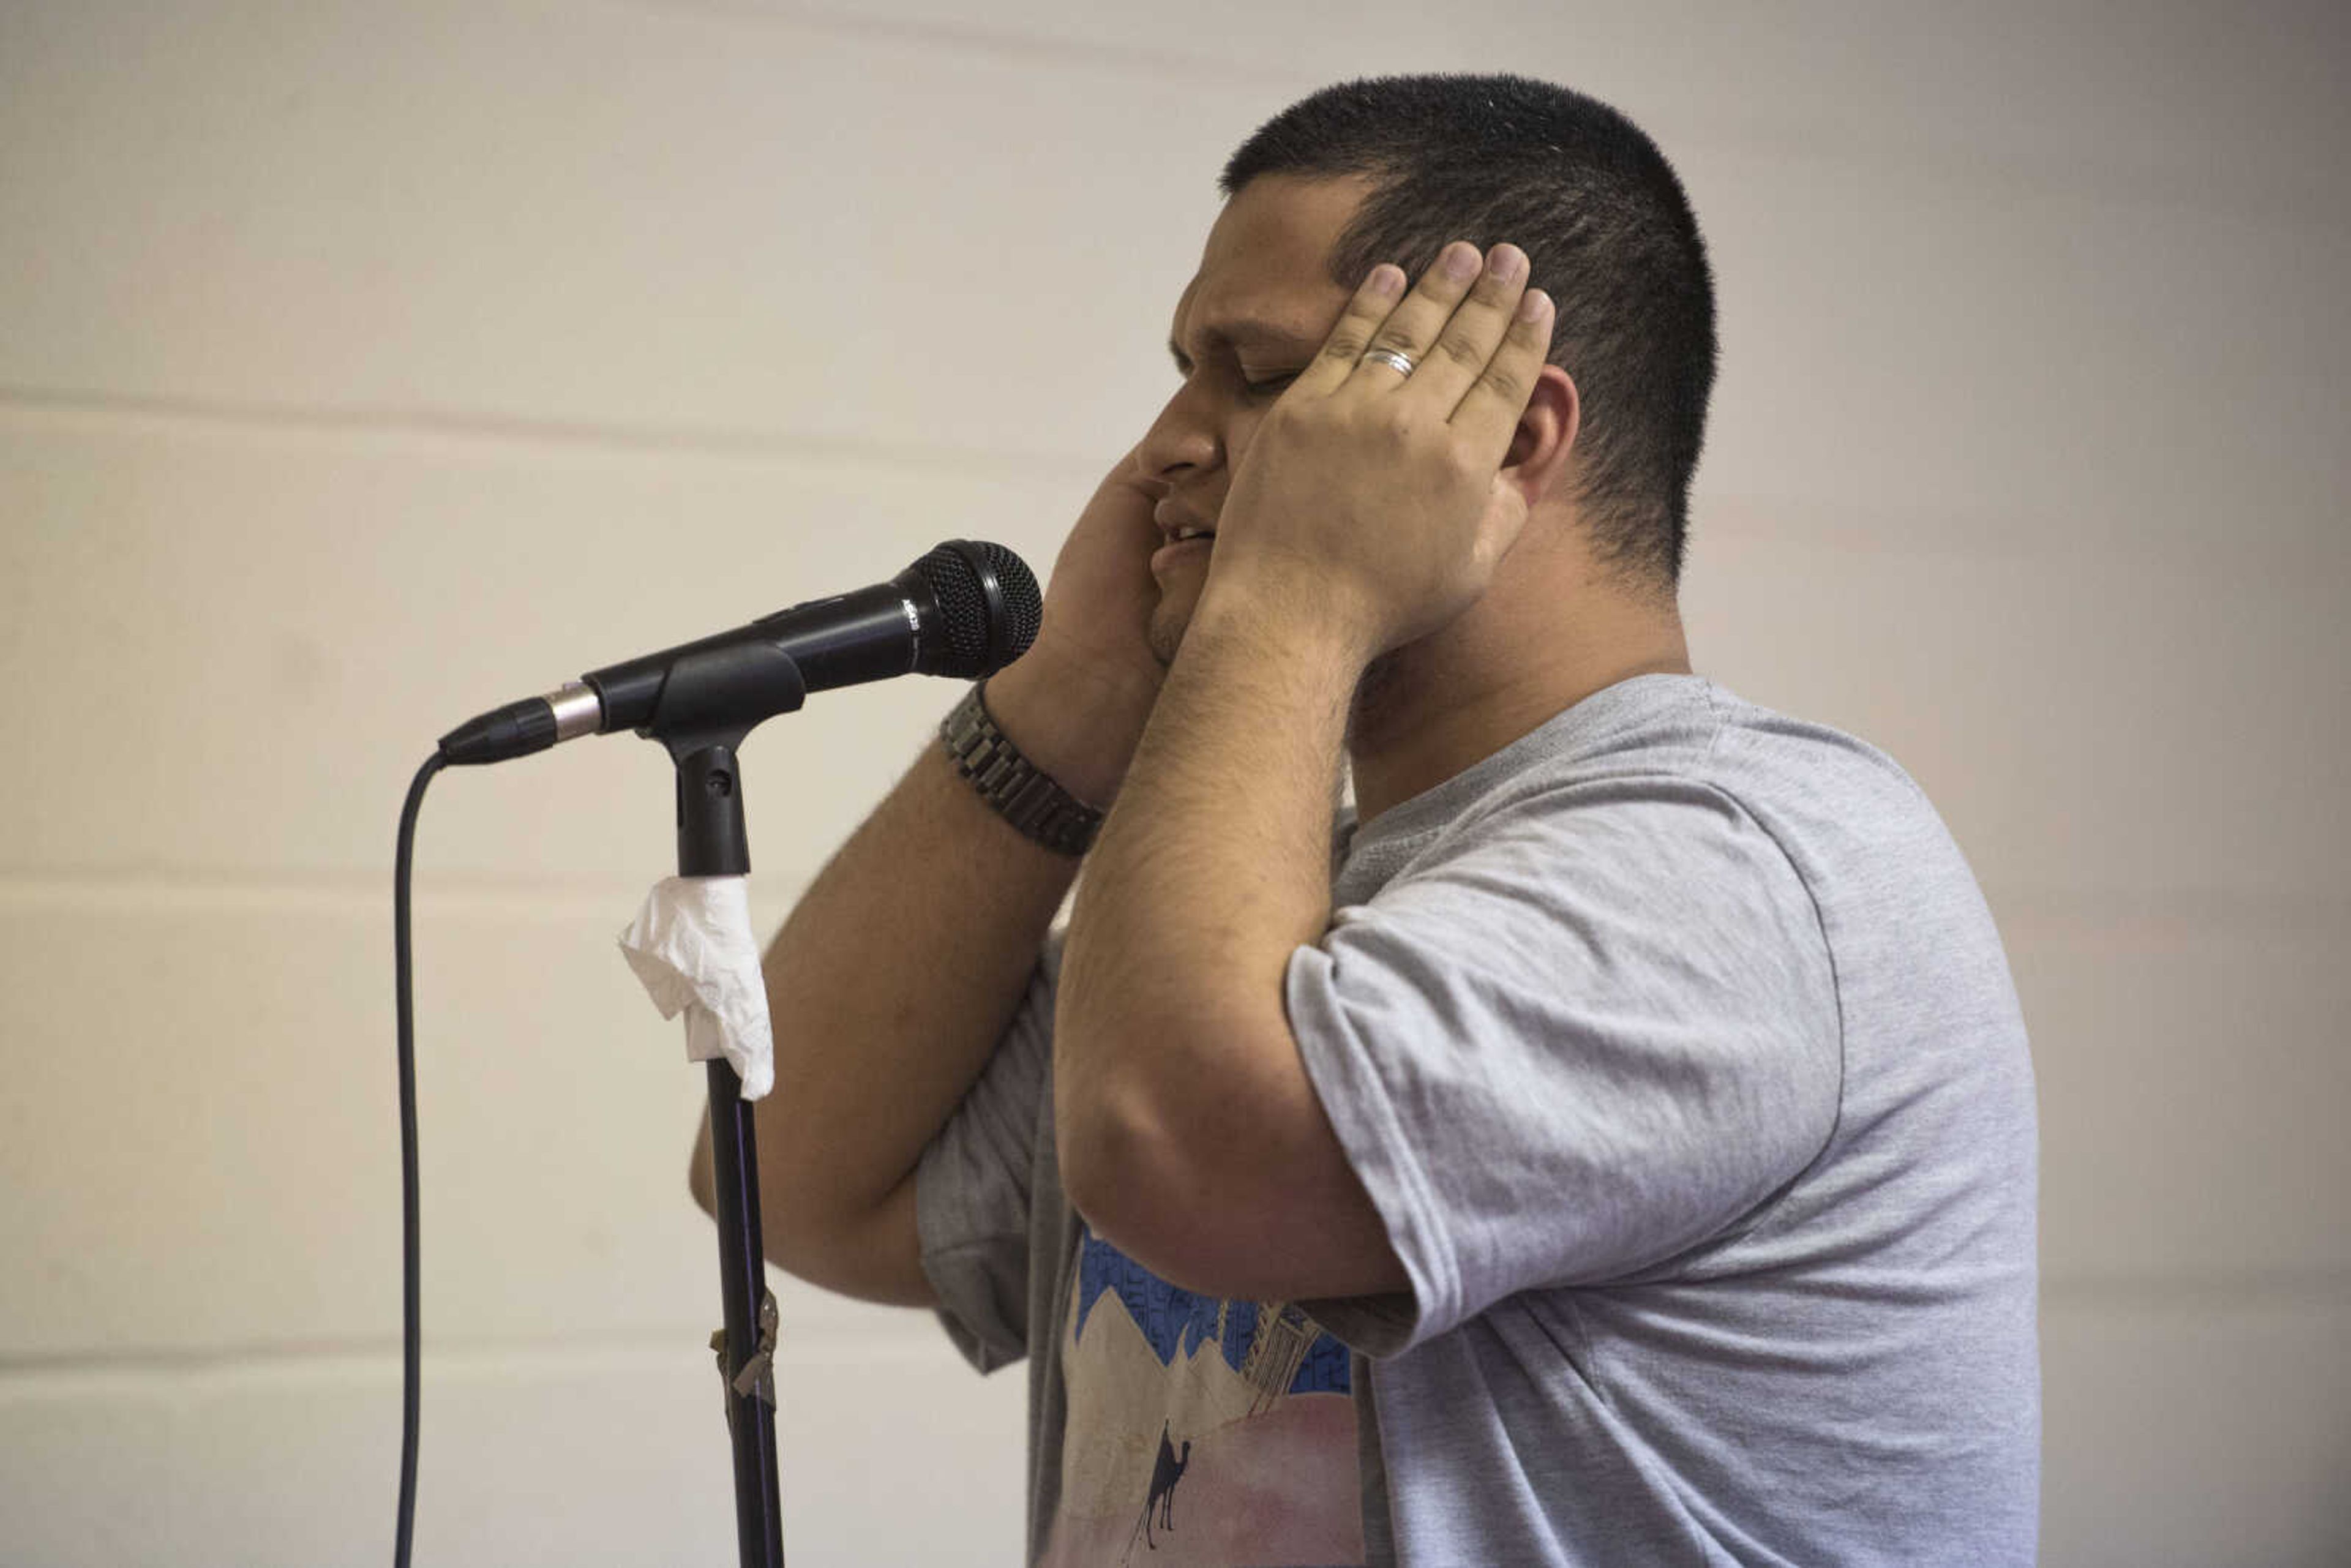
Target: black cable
411 1293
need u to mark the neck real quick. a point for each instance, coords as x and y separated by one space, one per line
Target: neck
1426 711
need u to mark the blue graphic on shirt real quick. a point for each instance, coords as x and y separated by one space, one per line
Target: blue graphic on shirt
1174 1320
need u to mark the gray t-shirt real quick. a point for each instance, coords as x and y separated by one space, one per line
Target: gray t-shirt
1676 1046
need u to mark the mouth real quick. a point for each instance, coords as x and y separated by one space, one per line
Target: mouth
1182 544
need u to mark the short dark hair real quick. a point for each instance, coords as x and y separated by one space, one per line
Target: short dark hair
1607 231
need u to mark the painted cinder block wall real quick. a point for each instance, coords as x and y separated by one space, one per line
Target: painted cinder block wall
362 366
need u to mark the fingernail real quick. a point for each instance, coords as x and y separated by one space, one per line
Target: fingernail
1385 279
1459 262
1505 262
1533 304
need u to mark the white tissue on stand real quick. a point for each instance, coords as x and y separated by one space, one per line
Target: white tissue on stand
693 948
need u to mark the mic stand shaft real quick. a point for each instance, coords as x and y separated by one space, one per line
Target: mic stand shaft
742 1280
711 843
708 704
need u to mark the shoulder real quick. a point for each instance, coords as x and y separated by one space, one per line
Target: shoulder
1672 802
1685 763
1649 775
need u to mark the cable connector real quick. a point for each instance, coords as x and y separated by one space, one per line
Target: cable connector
516 729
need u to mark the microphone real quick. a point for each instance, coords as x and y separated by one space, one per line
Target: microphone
966 609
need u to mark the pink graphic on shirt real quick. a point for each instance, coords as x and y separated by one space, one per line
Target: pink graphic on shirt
1201 1433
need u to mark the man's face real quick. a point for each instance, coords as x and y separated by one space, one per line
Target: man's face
1251 317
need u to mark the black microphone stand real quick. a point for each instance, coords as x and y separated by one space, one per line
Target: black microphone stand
969 608
701 721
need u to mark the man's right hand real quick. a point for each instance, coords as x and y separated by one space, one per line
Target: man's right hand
1076 703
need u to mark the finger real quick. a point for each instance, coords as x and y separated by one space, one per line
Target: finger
1413 327
1332 363
1489 410
1471 335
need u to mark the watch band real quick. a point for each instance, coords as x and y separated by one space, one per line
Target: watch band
1023 794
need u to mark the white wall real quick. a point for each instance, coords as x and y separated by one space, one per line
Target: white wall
361 366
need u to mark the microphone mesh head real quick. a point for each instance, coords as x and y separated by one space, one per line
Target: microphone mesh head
980 632
1024 606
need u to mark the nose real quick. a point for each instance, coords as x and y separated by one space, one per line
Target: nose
1184 440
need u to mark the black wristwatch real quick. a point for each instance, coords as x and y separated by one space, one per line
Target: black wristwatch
1023 794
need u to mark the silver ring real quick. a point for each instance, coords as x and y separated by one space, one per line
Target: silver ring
1401 363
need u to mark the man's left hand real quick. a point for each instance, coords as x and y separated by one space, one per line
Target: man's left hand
1371 499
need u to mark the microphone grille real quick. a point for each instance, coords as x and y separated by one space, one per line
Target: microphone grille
1024 606
989 608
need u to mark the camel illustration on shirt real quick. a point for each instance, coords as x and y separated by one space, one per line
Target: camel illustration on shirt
1162 1500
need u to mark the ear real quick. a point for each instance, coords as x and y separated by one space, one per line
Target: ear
1537 461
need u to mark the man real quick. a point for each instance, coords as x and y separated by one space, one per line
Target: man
1626 1153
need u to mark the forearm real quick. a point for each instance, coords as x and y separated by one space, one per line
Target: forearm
896 975
1212 870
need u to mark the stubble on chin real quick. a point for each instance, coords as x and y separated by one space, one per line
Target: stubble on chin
1169 620
1165 635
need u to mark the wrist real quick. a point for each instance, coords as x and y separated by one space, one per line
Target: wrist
1030 799
1077 723
1305 616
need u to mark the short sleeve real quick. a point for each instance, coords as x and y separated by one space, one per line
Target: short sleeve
972 1186
1574 1036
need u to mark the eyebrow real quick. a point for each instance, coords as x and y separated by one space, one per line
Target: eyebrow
1241 334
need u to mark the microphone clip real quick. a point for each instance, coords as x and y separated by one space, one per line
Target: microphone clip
712 698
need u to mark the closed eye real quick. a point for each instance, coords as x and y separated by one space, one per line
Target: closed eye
1270 386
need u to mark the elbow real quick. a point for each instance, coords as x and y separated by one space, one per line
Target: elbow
1099 1146
1125 1173
1163 1139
